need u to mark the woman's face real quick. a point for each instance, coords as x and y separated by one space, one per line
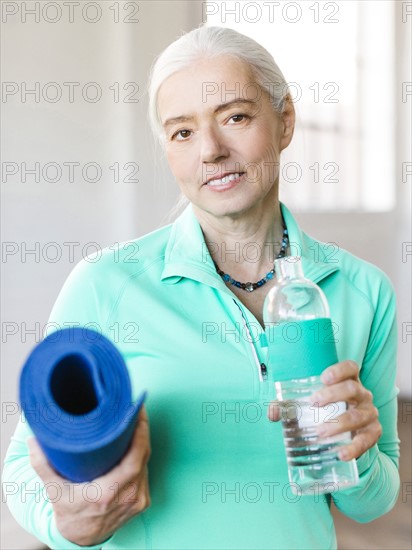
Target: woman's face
208 134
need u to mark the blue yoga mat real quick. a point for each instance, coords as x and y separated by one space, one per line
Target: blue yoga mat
76 395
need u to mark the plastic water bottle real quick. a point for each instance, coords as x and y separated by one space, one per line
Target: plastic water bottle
301 344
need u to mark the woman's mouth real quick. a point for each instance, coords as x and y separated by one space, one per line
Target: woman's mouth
227 182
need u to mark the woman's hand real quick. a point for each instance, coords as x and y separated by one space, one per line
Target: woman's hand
89 513
342 384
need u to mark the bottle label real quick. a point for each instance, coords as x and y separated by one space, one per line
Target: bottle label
300 349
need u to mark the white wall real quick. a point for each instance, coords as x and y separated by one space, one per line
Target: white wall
106 212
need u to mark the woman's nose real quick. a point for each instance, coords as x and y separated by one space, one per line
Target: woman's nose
213 146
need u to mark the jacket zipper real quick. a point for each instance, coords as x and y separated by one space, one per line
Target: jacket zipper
261 367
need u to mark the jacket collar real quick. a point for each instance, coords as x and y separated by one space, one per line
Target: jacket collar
187 255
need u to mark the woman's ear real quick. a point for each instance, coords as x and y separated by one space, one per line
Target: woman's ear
288 119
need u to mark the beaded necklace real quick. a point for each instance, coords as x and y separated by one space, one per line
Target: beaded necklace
250 287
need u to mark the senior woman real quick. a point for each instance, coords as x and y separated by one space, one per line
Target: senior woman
217 474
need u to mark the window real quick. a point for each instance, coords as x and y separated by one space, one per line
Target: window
339 60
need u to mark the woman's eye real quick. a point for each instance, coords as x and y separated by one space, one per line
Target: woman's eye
180 132
182 135
237 116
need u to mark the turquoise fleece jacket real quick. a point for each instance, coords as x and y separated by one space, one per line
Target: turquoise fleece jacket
218 475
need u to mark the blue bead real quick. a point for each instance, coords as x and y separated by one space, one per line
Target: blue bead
269 275
226 277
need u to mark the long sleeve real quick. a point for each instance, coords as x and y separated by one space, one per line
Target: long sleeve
27 495
379 484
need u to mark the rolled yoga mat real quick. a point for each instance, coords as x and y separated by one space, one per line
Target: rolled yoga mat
75 392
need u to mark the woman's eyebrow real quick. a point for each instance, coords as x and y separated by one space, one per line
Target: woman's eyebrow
218 109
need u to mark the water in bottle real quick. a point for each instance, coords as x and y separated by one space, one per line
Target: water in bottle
301 343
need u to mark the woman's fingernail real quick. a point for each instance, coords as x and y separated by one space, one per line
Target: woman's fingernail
343 454
327 377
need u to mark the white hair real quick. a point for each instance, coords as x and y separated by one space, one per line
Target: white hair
208 42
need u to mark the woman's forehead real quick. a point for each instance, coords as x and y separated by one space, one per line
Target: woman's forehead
212 81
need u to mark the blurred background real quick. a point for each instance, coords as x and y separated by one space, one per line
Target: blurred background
80 169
